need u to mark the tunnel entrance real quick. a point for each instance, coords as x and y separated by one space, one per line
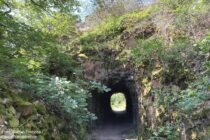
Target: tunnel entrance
111 123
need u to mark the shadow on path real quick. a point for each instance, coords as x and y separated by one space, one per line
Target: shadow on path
117 128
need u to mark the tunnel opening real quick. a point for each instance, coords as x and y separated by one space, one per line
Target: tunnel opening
118 102
112 120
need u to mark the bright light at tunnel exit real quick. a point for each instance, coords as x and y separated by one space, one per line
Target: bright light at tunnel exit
118 102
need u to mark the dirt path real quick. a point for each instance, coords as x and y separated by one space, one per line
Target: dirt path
114 131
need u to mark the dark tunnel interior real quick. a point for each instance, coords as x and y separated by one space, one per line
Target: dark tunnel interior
103 110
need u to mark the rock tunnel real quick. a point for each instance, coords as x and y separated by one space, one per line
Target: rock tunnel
100 102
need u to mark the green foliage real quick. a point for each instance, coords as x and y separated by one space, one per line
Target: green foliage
168 132
99 87
66 95
21 48
195 95
175 4
175 102
28 40
113 26
183 6
167 96
40 6
177 50
146 50
204 45
24 46
178 105
185 100
62 64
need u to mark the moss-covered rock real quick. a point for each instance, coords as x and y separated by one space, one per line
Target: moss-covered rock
25 108
41 108
14 122
20 101
24 114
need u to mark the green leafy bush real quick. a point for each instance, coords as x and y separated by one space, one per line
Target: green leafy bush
168 132
146 50
62 64
99 87
195 95
204 44
65 95
114 26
